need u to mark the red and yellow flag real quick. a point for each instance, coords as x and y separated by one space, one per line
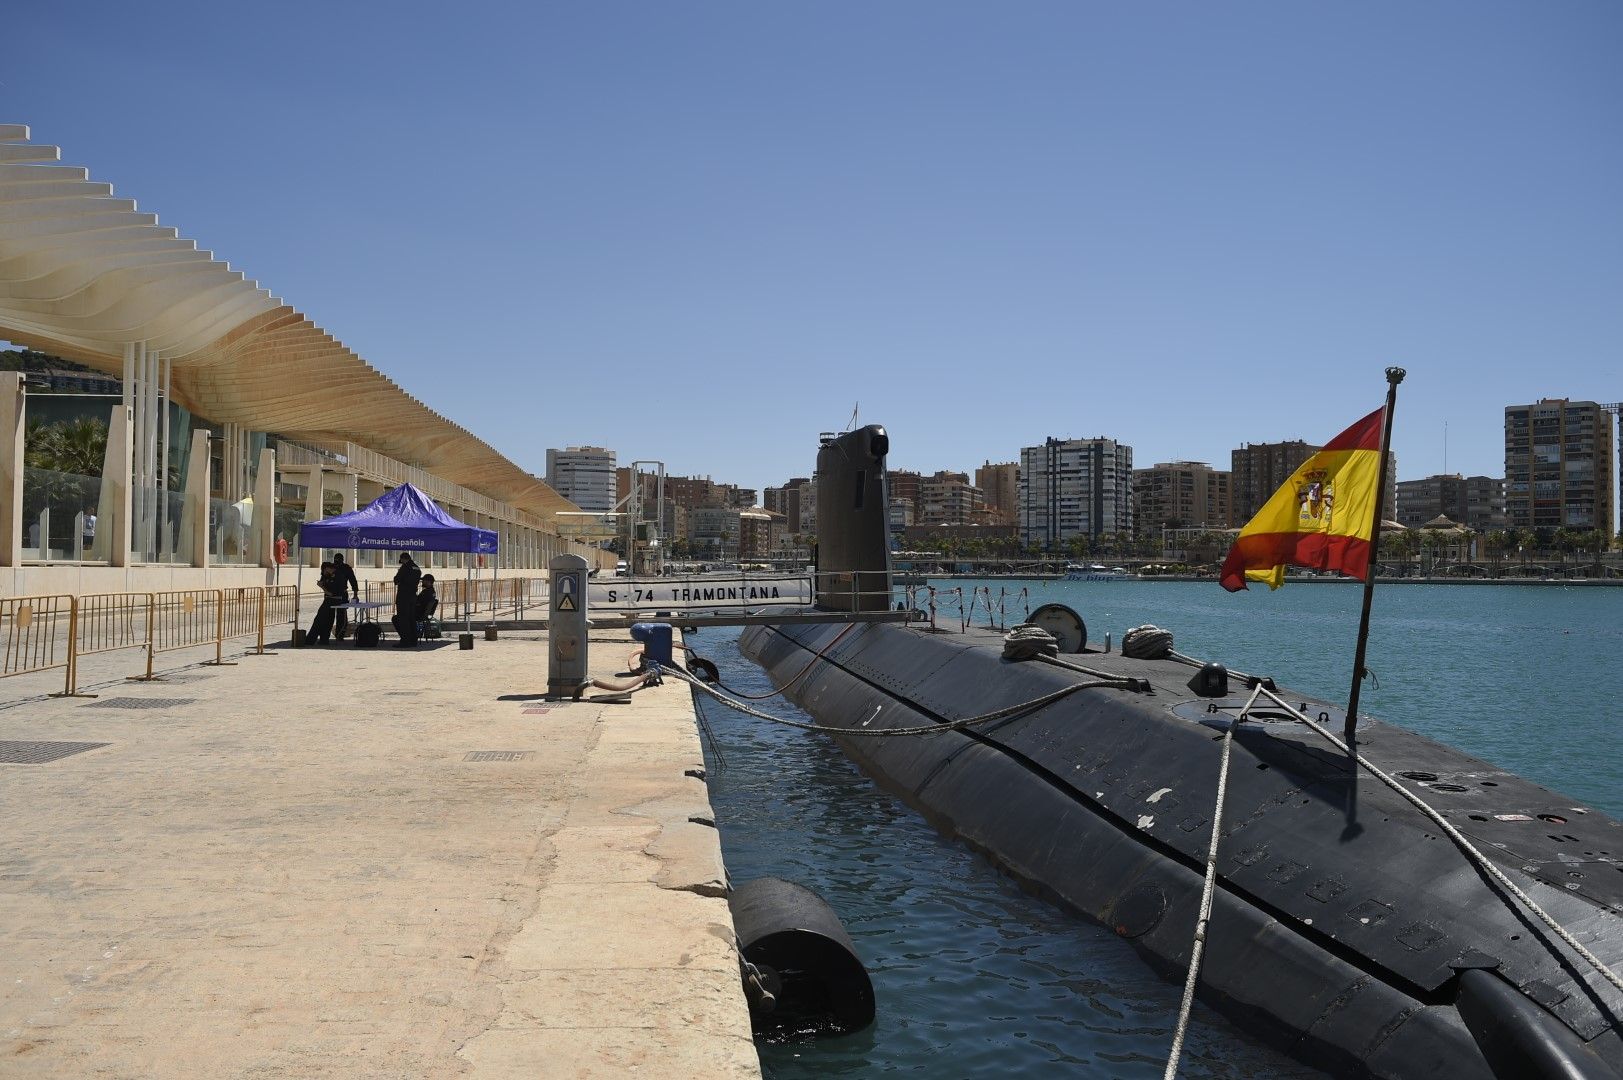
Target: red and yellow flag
1322 518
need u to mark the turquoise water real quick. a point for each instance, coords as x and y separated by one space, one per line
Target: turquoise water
974 978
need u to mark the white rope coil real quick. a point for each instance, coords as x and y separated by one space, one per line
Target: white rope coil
1147 642
1026 642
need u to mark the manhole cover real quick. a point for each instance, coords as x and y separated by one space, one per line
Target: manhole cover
499 755
140 703
189 676
41 753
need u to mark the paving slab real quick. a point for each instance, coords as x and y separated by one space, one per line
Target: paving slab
345 862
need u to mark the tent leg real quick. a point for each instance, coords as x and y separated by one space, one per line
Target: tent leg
298 590
467 606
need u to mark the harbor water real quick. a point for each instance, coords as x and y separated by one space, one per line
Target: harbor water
974 978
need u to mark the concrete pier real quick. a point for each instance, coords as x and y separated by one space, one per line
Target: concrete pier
344 862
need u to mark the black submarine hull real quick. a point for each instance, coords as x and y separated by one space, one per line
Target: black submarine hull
1346 927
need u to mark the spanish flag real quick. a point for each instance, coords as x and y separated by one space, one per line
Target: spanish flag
1322 518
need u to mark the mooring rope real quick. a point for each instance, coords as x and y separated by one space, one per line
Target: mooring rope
799 675
1147 642
1198 948
929 729
1028 642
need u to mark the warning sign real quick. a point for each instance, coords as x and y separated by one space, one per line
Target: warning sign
566 593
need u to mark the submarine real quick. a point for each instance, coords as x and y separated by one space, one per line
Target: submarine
1346 926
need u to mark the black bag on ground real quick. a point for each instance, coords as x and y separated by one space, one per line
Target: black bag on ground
367 634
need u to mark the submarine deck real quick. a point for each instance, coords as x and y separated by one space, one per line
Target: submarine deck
1312 845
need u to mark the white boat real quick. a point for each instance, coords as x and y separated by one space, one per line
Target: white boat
1094 572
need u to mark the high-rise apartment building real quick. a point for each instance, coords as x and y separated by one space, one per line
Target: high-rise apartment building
785 500
1559 457
1258 470
1179 495
584 475
1075 487
1000 489
693 492
902 486
1477 502
947 498
808 508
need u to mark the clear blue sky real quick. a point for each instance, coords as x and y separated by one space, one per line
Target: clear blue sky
701 232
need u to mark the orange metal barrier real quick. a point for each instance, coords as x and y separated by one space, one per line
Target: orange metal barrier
279 605
42 633
107 622
184 619
38 633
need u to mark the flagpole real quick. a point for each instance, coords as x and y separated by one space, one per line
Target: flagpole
1394 375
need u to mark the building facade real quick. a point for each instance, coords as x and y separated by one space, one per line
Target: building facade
1258 470
902 488
785 500
947 498
1559 459
1075 488
1181 494
1477 502
758 533
584 475
1000 490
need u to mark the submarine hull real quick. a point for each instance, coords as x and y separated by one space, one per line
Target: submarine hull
1342 922
1346 927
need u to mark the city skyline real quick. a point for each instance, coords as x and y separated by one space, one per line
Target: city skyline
687 232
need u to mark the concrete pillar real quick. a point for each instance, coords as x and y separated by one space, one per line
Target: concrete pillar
349 489
368 491
166 529
149 461
194 513
138 429
113 521
264 527
313 511
13 424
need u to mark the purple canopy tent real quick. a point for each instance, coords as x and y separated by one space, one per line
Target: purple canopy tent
402 520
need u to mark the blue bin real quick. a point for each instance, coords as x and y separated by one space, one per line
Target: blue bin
656 642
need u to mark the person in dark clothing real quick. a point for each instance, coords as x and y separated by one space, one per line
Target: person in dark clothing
428 602
405 601
332 592
346 577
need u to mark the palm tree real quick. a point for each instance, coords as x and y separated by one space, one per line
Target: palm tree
80 446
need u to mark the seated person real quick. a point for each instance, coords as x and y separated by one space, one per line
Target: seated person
427 600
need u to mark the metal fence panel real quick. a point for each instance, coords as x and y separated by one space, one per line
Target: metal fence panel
37 633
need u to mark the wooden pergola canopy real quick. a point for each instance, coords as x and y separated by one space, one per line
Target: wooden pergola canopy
83 273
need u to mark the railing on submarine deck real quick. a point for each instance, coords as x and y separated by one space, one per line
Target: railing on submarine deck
527 598
938 603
